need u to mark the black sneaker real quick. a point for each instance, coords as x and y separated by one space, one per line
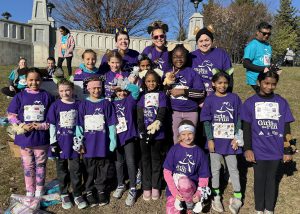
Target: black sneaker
91 199
103 200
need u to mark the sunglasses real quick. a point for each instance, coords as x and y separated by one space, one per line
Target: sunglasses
265 33
162 36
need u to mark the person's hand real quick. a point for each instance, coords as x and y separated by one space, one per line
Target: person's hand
196 196
211 146
287 158
179 197
250 156
234 144
28 127
177 92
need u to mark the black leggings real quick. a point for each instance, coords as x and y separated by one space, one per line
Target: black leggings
69 64
265 184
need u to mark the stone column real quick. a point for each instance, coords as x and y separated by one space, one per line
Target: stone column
195 24
41 32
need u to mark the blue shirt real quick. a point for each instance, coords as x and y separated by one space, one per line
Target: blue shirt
259 54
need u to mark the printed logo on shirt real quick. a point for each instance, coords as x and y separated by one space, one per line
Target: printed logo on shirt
180 84
34 112
261 133
222 127
68 118
186 165
204 70
267 114
159 63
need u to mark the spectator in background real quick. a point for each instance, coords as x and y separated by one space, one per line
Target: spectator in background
66 46
289 57
257 54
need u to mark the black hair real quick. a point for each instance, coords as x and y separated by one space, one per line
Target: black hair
187 122
121 32
65 82
263 75
34 70
89 51
220 74
263 25
143 57
156 77
64 29
51 59
180 47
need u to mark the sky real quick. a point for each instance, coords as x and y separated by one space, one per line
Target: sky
21 9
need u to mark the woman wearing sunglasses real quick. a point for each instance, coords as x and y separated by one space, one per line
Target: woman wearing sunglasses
158 51
208 57
257 54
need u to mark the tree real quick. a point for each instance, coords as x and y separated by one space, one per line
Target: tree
106 15
286 30
234 25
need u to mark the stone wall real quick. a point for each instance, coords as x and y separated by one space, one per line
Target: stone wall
15 42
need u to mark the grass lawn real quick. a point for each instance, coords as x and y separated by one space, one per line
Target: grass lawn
288 201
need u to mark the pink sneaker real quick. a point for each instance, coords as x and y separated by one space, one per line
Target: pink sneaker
155 194
147 195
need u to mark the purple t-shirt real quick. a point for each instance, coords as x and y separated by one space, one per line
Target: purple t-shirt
109 78
186 79
95 118
130 59
192 162
267 118
64 117
125 110
204 63
151 102
161 59
223 113
31 108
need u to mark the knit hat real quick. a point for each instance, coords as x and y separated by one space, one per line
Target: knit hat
206 32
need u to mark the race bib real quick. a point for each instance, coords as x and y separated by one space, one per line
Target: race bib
122 125
94 122
223 130
267 59
180 97
267 110
152 99
34 113
67 118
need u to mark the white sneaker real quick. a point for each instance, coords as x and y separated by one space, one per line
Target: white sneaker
235 205
178 205
217 204
198 207
268 212
119 192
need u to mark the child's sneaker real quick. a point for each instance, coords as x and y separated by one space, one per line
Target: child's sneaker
217 204
30 194
268 212
80 202
91 199
198 207
155 194
119 192
39 193
235 205
66 202
147 195
103 200
259 212
130 200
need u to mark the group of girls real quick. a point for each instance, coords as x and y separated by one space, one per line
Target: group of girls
117 115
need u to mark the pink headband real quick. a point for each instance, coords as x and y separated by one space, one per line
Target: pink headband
94 84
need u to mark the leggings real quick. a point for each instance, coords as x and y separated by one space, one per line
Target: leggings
34 161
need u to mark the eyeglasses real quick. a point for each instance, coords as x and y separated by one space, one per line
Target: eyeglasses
265 33
162 36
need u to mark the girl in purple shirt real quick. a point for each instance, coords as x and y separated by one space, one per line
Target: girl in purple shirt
266 120
185 88
221 116
96 134
186 172
28 111
124 101
151 113
62 117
